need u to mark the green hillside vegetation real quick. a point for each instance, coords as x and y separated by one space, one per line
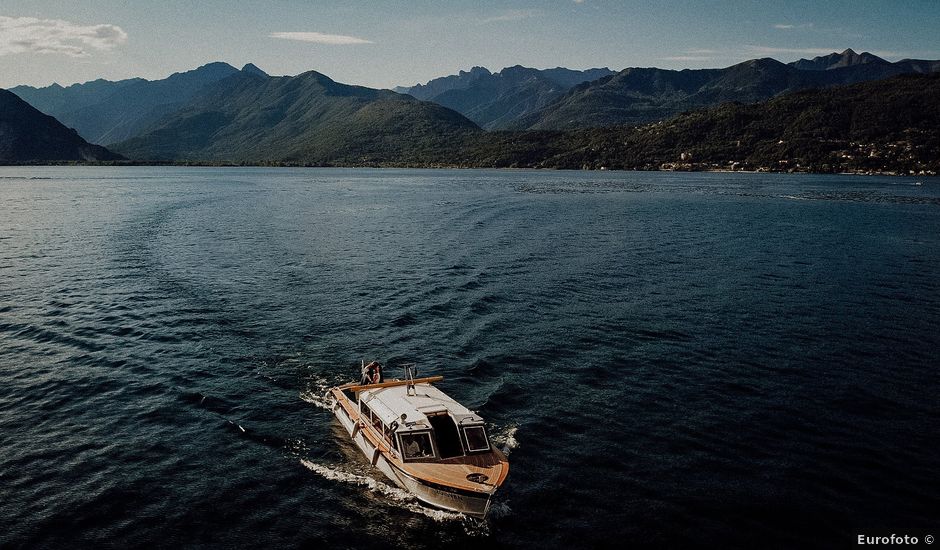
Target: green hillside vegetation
640 95
307 119
891 125
888 125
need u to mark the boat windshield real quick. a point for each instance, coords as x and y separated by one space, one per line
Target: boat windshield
476 438
416 445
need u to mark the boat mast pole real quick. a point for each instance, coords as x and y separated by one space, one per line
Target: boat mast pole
410 377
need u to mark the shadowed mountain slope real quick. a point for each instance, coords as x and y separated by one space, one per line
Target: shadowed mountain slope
28 135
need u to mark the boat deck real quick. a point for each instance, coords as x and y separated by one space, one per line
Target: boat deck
450 472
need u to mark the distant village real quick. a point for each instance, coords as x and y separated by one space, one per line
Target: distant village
896 158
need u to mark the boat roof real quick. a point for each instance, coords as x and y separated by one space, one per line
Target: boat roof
390 403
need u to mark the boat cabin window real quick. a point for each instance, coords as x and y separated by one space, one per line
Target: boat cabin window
416 445
476 438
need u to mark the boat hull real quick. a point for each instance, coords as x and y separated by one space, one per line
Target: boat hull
445 498
441 497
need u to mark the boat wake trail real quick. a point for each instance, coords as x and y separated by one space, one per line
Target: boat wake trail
400 498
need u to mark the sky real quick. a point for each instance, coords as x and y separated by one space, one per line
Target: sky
403 42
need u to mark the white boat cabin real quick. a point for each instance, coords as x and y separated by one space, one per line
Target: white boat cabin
421 423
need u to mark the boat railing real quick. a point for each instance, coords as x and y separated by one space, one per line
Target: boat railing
411 383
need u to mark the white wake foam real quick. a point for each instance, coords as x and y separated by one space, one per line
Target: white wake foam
400 497
316 391
317 399
506 440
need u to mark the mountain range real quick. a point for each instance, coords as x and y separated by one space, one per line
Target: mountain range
889 125
28 135
497 100
305 119
219 114
640 95
106 112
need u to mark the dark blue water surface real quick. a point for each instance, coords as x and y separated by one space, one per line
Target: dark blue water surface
734 360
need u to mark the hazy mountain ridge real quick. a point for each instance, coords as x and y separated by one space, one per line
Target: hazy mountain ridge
57 99
107 112
496 100
26 134
437 86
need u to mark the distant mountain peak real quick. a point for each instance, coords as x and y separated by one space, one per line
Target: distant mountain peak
835 60
761 62
214 64
251 68
476 70
316 76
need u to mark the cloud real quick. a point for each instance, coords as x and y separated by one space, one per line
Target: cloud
694 54
688 58
768 50
320 38
578 1
512 15
32 35
788 26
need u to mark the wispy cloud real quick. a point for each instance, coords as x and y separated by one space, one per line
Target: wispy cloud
54 36
320 38
769 50
694 54
578 1
688 58
789 26
512 15
916 54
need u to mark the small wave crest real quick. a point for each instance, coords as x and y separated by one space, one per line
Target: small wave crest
316 399
399 497
315 392
499 510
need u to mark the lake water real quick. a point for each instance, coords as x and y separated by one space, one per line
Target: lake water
740 360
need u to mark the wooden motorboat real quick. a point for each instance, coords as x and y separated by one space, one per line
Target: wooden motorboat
423 441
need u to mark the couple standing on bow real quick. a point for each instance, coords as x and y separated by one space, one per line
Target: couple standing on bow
371 373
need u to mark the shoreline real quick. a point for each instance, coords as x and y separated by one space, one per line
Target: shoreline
405 166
